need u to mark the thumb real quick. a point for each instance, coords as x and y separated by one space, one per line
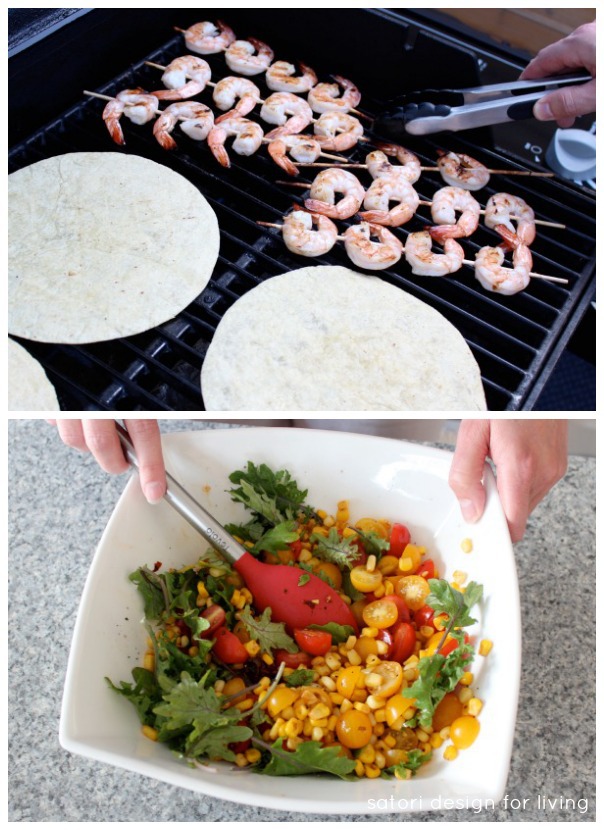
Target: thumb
566 103
465 476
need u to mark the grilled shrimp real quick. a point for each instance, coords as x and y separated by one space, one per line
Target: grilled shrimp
302 238
445 203
209 39
290 113
196 121
301 148
425 263
249 57
385 190
327 98
378 165
323 194
136 104
338 131
461 170
369 254
491 273
499 209
175 78
248 138
281 77
233 89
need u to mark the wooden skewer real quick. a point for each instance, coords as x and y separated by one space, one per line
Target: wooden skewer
435 169
468 262
536 221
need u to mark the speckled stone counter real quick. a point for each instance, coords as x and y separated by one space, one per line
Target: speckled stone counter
59 503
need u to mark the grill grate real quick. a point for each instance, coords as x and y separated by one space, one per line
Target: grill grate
514 339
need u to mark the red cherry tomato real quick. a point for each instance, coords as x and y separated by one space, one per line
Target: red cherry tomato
292 660
215 615
403 642
424 616
426 569
296 548
404 614
399 539
313 642
228 647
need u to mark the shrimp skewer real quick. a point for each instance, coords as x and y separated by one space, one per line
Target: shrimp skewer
323 198
136 104
373 254
205 38
327 98
248 138
196 121
491 275
337 131
299 147
185 77
249 57
445 203
426 263
290 113
384 190
281 77
499 211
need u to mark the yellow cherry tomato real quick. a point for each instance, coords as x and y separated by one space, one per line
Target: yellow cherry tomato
353 729
464 731
395 708
379 526
331 571
392 678
380 614
410 559
388 565
281 698
414 590
365 646
449 709
348 680
364 580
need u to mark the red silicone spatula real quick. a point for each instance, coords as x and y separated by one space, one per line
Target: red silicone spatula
273 586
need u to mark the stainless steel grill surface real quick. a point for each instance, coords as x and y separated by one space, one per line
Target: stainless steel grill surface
516 340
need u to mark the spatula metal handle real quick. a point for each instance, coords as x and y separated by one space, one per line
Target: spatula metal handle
189 508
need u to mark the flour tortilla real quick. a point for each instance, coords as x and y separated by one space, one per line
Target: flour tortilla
28 385
104 245
327 338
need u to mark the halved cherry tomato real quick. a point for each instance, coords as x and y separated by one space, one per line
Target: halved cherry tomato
404 614
399 539
380 614
449 709
424 616
403 642
216 616
364 580
392 678
414 590
329 570
228 647
313 642
426 569
292 660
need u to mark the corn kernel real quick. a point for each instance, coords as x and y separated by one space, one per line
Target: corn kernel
293 727
345 706
467 678
293 743
372 771
380 715
388 588
253 755
317 733
370 632
371 563
351 642
367 754
421 735
474 706
328 683
436 741
268 659
460 577
149 661
252 648
405 564
467 546
333 661
379 591
450 753
485 647
329 521
241 760
305 556
445 732
202 590
149 732
354 658
375 702
319 711
359 769
362 707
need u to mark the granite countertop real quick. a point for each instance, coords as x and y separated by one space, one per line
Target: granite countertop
59 504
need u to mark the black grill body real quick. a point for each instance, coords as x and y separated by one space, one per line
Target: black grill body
516 340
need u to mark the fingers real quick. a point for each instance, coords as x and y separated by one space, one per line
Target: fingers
100 438
465 476
146 438
566 104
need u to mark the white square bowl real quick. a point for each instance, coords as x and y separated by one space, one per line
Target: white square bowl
380 477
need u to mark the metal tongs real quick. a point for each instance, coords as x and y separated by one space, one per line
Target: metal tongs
432 111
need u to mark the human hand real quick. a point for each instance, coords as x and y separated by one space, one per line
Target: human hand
100 437
530 456
576 51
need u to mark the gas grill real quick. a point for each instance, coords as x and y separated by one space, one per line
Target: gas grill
516 340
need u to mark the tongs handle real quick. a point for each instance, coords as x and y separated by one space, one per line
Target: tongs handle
188 507
493 91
